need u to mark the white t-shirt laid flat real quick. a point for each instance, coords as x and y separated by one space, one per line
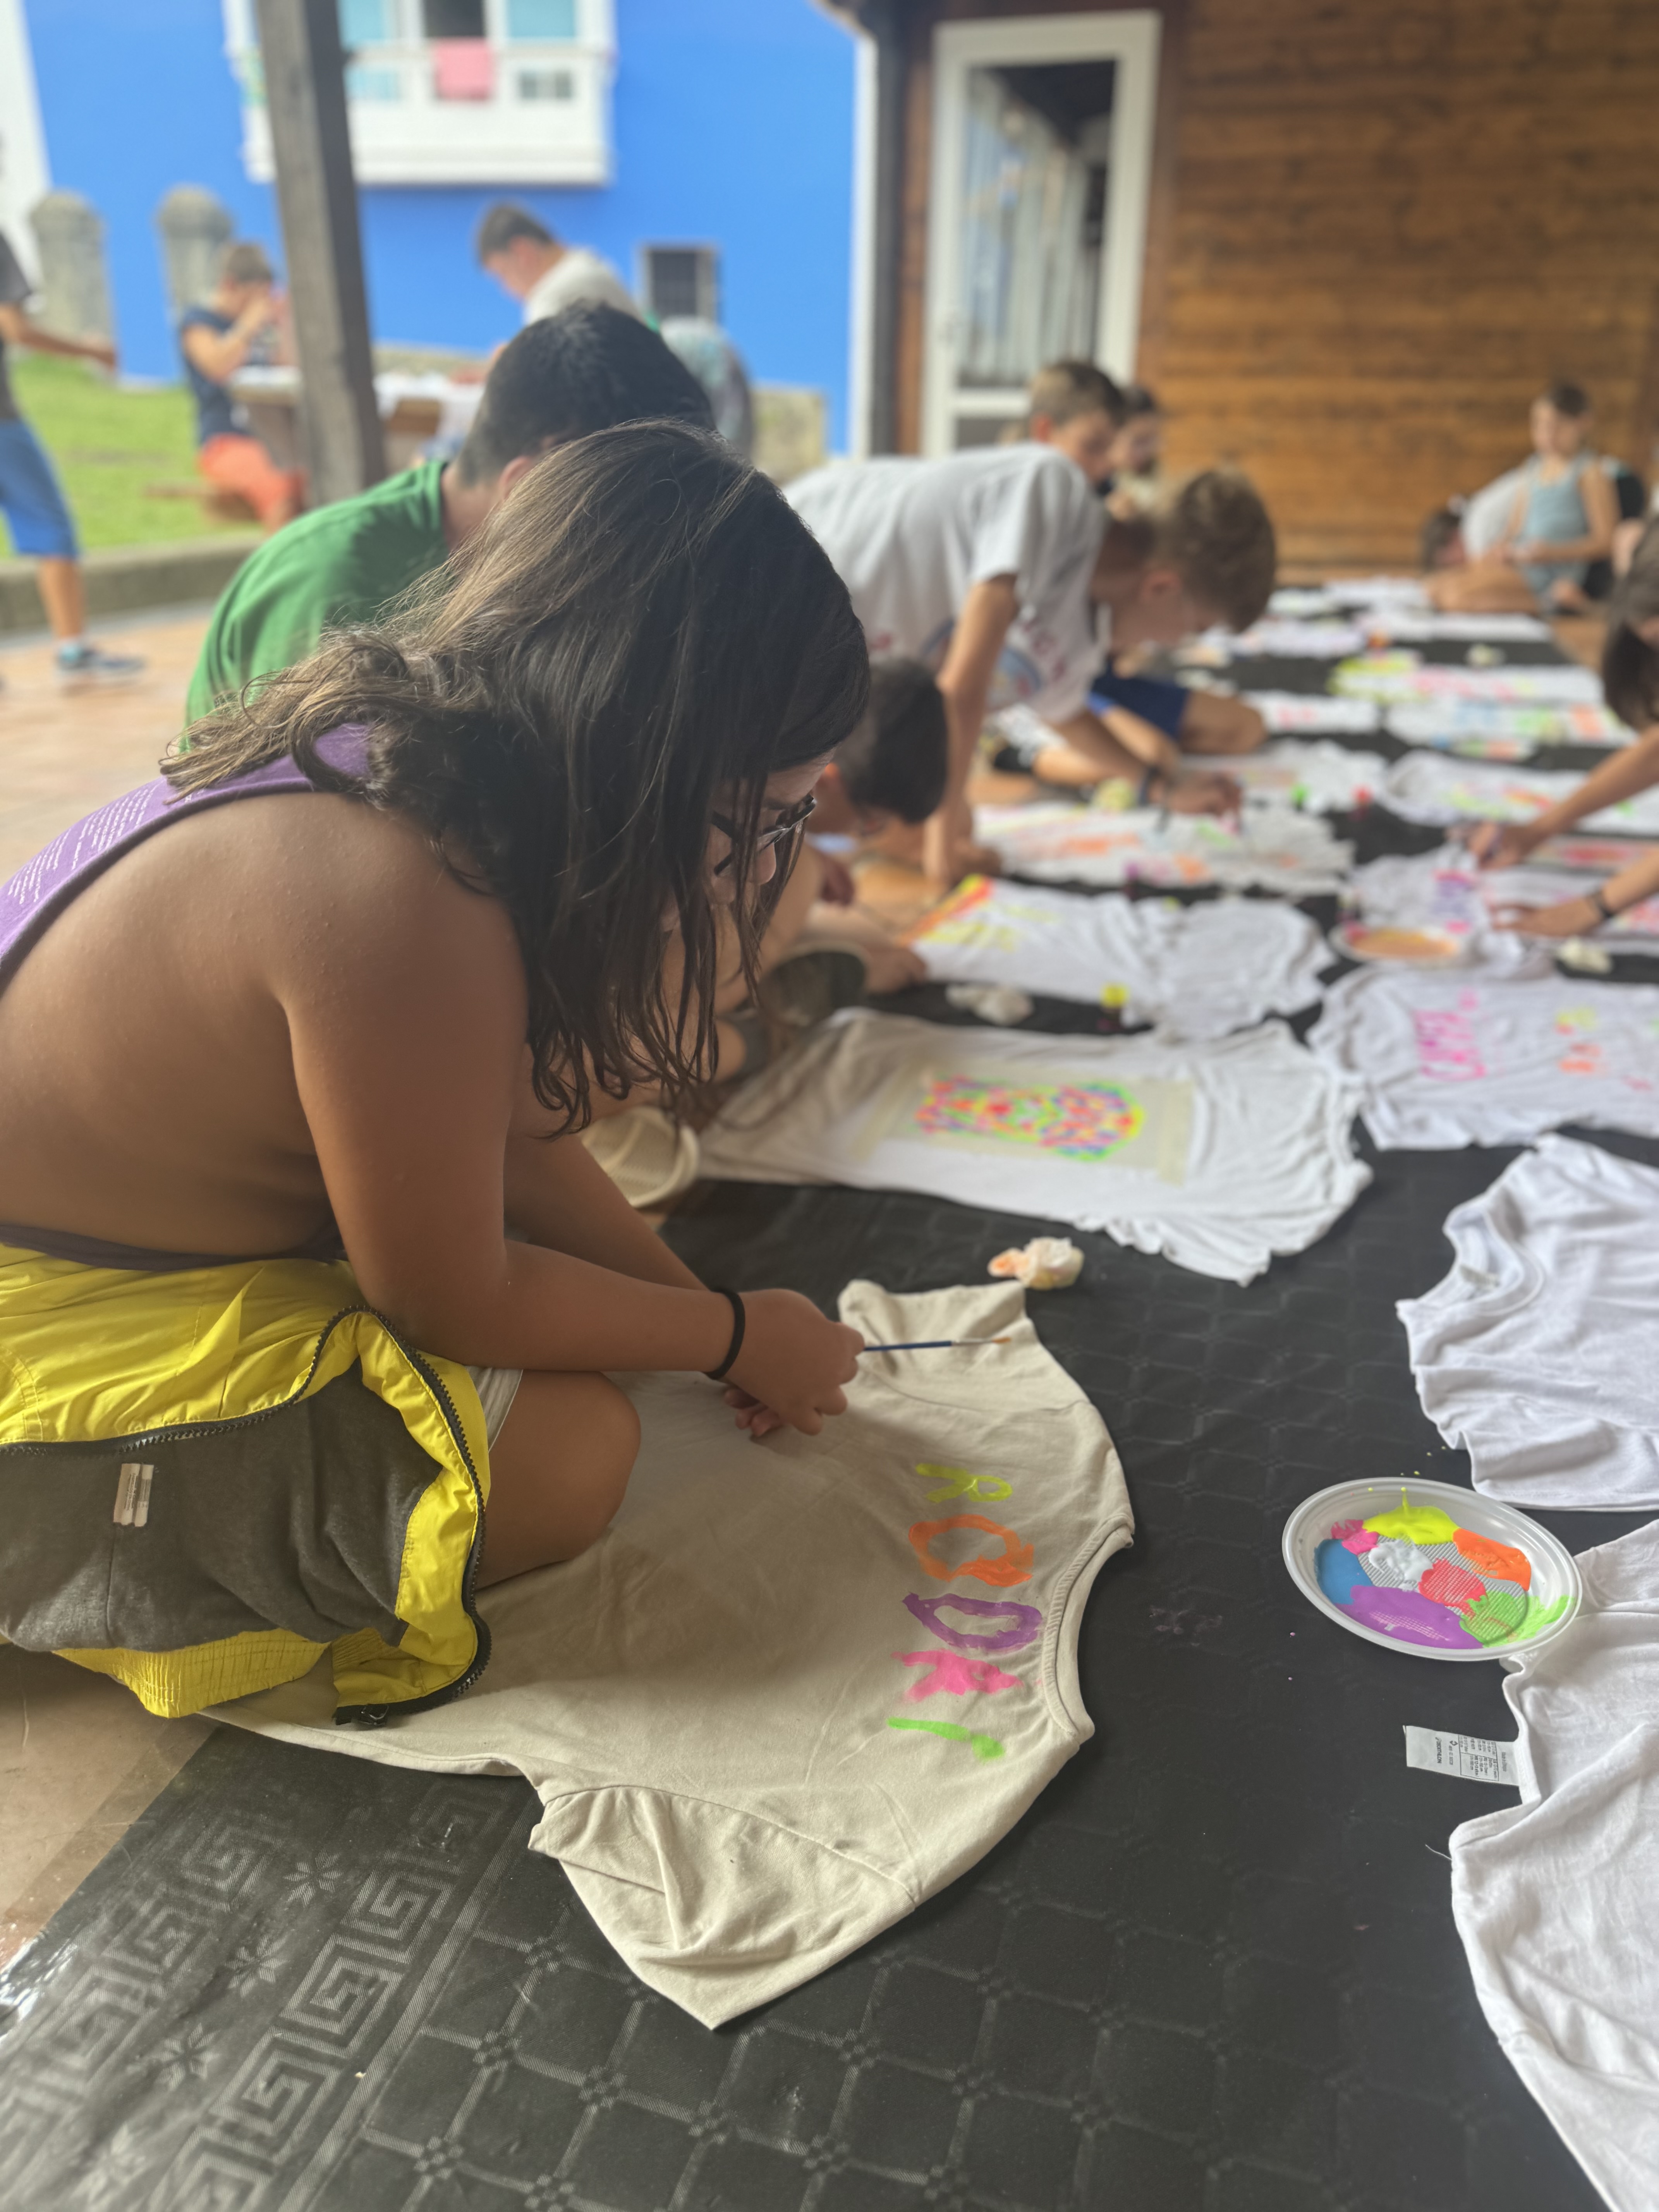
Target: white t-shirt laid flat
1322 637
1271 848
1425 786
1444 890
1320 778
579 273
1217 1154
1535 1354
1475 629
1556 1898
909 537
1401 678
1448 1057
798 1686
1313 715
1196 971
1509 733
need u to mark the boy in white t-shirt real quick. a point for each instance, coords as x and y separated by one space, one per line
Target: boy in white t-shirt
1000 569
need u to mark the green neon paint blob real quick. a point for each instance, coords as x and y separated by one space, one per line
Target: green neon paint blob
982 1746
1496 1618
959 1483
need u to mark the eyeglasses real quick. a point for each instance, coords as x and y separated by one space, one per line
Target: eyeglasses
785 826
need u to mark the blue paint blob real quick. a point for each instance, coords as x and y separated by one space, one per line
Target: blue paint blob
1339 1571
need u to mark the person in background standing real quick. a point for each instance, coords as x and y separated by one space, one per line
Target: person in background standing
526 259
242 325
31 496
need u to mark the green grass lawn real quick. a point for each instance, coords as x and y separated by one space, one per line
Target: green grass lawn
110 446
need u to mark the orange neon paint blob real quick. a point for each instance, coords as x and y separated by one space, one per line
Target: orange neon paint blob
1502 1562
1384 943
1014 1565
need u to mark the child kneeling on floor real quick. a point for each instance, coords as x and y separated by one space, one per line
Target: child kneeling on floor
999 566
365 1016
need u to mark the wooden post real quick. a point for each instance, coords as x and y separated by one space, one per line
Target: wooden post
887 26
311 147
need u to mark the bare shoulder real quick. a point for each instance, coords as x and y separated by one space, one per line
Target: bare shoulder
333 893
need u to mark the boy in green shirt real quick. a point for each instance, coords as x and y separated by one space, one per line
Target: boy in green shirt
585 369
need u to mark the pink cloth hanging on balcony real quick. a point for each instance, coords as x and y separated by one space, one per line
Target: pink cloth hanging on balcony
463 69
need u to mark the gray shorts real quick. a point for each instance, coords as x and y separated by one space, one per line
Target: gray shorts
497 1387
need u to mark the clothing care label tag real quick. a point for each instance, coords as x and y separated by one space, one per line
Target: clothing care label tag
1473 1757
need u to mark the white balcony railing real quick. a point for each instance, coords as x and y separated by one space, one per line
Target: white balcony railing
491 110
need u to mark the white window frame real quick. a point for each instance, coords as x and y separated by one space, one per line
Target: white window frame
1128 37
421 139
25 177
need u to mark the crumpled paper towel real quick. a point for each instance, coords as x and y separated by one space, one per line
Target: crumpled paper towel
999 1003
1047 1263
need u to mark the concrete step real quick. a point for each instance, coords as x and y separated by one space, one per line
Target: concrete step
123 578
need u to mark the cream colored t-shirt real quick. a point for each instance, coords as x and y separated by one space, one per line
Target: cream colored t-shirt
802 1685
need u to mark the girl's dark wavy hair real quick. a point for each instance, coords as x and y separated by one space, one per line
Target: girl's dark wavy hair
639 637
1629 667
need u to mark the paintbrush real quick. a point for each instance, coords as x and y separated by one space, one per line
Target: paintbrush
938 1344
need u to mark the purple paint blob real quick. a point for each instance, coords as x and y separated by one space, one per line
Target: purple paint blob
1409 1619
1027 1622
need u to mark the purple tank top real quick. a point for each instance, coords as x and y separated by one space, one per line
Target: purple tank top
41 889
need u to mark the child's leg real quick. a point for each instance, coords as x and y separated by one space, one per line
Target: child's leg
237 463
1212 722
1488 586
557 1471
888 965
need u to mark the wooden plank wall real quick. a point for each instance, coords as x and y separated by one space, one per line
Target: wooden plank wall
1379 226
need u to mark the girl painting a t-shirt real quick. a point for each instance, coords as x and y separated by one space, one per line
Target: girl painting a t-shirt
369 1012
1630 677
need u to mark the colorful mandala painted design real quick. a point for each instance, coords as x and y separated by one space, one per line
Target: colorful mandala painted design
1079 1121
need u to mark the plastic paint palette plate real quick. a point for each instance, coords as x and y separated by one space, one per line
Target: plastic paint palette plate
1554 1572
1396 947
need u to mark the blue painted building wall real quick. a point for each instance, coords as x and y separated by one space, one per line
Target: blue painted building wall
732 127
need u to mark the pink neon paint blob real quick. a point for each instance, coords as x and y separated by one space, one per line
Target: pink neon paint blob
1362 1541
1447 1584
1341 1530
1025 1622
951 1674
1410 1619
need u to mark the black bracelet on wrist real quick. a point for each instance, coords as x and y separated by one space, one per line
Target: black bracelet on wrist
1146 790
740 1323
1598 899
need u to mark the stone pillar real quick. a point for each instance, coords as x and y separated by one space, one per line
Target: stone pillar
195 228
69 234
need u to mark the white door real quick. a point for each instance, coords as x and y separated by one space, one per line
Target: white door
1042 142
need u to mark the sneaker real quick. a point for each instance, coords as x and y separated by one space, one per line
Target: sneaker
90 664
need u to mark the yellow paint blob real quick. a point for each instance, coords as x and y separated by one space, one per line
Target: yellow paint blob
1420 1524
